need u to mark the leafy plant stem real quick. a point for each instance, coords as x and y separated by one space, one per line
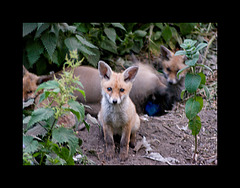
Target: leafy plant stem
49 135
195 151
43 154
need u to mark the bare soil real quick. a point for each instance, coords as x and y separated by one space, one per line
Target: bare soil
167 135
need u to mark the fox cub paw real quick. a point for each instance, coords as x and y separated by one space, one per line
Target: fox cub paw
109 155
123 156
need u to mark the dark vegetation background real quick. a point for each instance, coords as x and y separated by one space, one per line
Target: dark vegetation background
45 45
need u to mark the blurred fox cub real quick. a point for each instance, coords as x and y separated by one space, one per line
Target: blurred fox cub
171 64
118 113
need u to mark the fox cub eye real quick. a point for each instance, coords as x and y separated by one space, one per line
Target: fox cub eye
109 89
121 90
168 69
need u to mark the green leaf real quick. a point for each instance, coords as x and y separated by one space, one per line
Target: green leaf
34 50
203 78
140 33
41 27
180 52
167 34
40 114
49 41
193 61
182 93
207 93
160 25
51 84
189 44
43 96
205 66
111 33
192 82
71 43
181 70
30 145
201 46
83 27
85 42
77 109
62 135
93 59
108 45
119 26
86 125
192 108
184 46
82 92
200 100
186 28
78 82
28 28
195 125
84 49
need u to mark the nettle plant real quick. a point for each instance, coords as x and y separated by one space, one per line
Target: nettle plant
43 138
194 80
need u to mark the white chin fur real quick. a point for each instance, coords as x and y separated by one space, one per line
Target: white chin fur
174 81
111 100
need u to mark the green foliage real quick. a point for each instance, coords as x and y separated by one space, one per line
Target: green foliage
40 114
195 125
193 81
47 43
192 108
56 144
30 145
62 135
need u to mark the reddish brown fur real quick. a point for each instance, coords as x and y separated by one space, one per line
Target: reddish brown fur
172 66
117 117
29 86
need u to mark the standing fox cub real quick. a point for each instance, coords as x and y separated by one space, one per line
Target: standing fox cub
118 113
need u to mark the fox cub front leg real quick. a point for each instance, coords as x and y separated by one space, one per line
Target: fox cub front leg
124 143
110 147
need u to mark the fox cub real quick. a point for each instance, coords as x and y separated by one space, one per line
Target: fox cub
171 64
118 114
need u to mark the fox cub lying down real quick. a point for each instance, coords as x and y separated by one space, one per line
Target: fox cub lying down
118 113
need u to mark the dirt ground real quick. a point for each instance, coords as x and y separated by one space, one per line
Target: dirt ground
166 135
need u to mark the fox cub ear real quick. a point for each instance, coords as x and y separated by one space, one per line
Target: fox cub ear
166 53
130 73
104 69
24 70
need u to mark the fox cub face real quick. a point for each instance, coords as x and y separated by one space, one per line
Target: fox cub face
171 65
116 86
30 84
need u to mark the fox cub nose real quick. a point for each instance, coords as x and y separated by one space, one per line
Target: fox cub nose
114 101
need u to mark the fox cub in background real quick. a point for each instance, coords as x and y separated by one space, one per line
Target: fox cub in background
118 113
171 64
